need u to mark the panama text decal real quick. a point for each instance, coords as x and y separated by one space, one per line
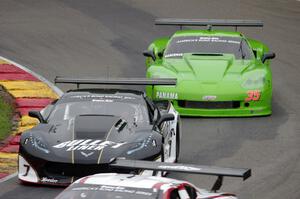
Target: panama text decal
166 95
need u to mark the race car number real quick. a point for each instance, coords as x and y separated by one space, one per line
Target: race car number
253 95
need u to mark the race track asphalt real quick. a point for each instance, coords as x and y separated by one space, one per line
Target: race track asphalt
106 38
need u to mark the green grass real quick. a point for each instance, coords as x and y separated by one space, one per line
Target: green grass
5 119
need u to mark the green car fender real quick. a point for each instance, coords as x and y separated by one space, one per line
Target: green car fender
157 47
258 48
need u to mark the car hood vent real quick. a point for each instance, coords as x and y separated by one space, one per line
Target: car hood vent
94 126
120 125
207 54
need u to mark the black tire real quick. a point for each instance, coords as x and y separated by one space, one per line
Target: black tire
162 155
162 158
177 143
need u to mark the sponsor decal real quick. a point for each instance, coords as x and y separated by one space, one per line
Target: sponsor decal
185 168
209 97
89 144
44 179
174 55
202 39
208 39
112 97
124 190
102 100
253 95
166 95
117 189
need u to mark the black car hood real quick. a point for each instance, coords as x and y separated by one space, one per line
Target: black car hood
91 139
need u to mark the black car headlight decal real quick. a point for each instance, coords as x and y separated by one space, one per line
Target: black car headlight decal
38 144
137 146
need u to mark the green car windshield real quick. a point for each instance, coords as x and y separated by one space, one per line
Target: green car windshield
208 45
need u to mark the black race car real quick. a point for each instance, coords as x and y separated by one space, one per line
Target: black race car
80 133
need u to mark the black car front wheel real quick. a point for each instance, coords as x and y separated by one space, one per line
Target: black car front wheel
177 142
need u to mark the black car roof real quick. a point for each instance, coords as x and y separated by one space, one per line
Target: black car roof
94 93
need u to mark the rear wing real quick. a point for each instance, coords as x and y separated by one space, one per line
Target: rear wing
209 22
116 81
184 168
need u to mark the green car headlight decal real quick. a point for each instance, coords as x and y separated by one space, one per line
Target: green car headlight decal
254 82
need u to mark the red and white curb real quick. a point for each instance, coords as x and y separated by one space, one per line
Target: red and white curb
30 91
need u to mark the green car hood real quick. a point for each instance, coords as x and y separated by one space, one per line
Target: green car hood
211 69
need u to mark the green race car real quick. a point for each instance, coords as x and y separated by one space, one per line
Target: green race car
219 73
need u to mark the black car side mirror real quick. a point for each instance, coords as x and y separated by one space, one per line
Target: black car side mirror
37 115
164 118
148 53
267 56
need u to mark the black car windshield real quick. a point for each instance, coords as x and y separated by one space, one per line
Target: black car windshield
131 112
103 191
202 45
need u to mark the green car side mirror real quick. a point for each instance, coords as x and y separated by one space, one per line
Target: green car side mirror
267 56
148 53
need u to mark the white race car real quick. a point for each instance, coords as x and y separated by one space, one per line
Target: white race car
131 186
